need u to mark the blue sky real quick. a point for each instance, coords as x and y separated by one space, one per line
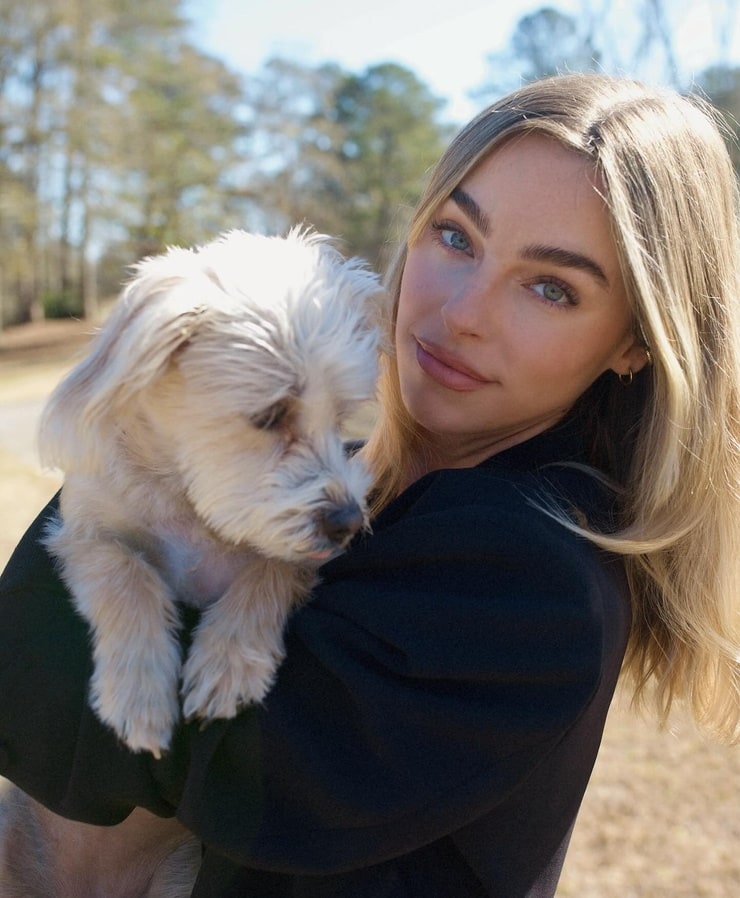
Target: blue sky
444 41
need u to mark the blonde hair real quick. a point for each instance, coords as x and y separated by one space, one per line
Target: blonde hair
672 195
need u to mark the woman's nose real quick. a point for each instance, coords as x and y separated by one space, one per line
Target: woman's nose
468 310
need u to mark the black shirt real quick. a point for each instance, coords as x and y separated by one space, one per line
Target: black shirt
431 731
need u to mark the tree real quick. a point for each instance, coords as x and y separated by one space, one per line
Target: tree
391 137
344 152
31 43
178 142
290 160
543 43
114 128
721 86
636 38
119 137
548 41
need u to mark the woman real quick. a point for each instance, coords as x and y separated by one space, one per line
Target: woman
557 472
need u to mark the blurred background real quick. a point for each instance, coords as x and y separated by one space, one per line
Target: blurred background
126 127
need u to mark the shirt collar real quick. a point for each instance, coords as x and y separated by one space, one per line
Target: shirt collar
564 442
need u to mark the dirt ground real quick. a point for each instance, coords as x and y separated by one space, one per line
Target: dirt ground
661 818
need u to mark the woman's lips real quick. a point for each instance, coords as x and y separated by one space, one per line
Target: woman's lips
447 370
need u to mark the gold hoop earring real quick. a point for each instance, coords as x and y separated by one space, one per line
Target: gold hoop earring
626 379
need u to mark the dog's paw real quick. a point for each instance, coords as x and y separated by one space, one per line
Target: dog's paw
147 734
218 684
142 715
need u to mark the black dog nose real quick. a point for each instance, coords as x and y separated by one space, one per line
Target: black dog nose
342 522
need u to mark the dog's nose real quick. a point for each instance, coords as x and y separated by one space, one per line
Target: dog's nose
342 522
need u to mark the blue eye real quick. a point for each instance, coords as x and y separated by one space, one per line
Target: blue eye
554 293
452 237
456 240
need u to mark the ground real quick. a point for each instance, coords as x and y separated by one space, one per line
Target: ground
661 817
32 359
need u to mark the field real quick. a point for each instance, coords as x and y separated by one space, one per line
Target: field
661 818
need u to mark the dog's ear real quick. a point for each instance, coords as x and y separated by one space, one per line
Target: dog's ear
160 310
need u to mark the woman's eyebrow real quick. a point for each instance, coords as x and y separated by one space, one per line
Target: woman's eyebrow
556 255
565 258
474 212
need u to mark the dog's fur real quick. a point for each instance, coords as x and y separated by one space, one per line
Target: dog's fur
43 855
203 459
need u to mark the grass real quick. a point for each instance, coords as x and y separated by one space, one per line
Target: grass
660 818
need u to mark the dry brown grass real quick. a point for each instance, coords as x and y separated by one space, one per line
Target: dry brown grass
661 818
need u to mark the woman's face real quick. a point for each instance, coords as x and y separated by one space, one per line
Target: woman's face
512 302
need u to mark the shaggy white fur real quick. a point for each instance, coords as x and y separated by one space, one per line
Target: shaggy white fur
202 450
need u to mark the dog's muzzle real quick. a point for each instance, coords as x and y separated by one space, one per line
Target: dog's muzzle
339 523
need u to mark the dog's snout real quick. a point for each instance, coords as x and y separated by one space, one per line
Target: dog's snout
341 522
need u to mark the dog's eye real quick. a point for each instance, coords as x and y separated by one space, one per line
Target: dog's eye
272 417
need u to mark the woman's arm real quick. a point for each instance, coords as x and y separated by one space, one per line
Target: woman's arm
442 662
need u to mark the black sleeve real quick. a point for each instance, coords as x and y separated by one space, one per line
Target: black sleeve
440 661
438 665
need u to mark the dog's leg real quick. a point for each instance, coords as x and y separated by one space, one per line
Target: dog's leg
136 652
43 855
239 643
24 854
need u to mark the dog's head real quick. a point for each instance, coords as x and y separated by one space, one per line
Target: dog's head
233 367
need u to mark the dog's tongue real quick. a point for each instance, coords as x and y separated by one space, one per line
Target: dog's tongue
321 556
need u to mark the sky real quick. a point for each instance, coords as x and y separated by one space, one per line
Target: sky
445 42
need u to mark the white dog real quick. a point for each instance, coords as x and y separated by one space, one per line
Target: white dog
204 464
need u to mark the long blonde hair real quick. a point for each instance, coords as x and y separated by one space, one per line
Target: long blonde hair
672 196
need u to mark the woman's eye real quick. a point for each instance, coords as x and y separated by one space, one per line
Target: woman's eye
554 293
452 237
456 240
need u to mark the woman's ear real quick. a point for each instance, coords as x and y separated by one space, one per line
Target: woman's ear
633 358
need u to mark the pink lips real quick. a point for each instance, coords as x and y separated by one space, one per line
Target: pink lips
447 370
